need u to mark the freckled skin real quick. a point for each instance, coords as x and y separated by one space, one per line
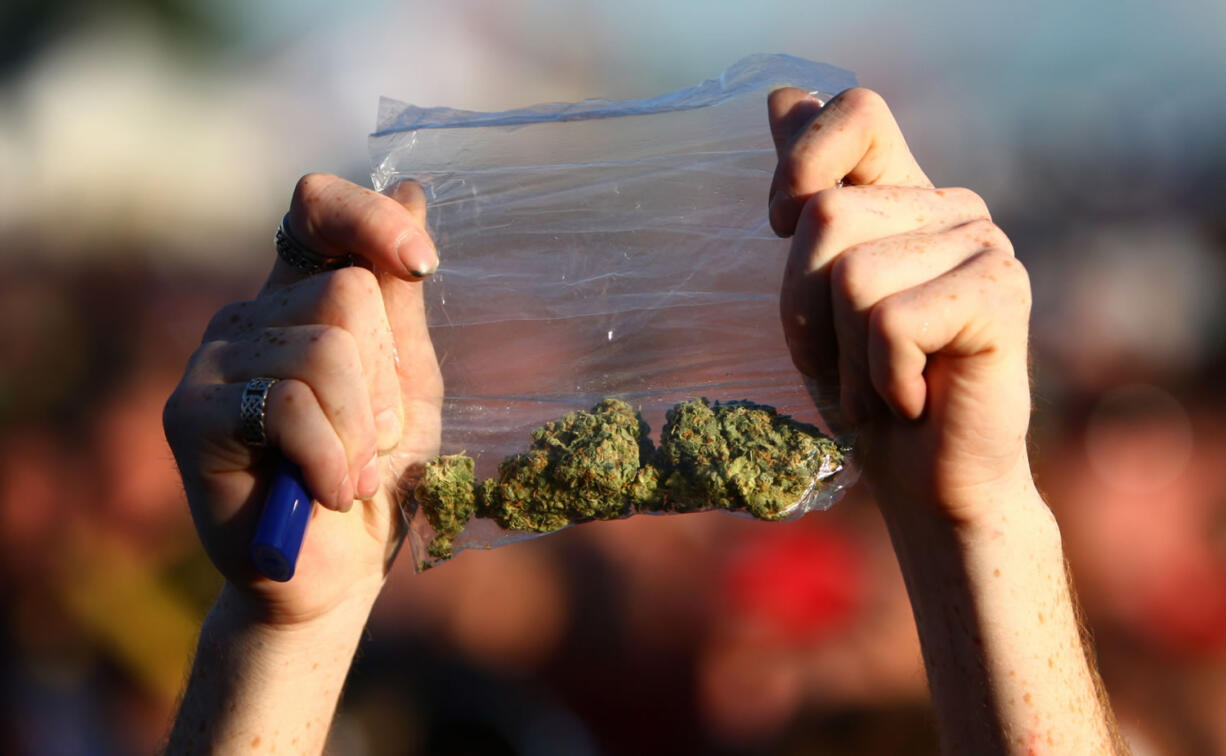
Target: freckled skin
938 387
929 312
277 653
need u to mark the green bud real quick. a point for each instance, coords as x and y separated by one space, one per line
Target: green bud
446 496
600 465
742 456
580 467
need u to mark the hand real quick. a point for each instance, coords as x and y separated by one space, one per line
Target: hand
357 401
905 300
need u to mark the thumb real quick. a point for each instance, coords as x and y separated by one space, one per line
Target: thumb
412 197
332 218
853 138
402 296
421 382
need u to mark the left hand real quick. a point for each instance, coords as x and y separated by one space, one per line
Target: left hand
358 376
906 300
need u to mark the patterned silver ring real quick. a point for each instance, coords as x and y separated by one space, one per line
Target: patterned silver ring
251 411
303 257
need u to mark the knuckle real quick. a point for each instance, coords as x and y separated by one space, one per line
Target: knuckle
207 359
289 395
187 410
348 289
330 349
861 100
980 227
968 200
850 277
231 319
887 319
210 351
825 207
310 188
1020 282
1010 278
989 235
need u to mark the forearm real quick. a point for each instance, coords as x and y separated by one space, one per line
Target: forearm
1002 643
256 688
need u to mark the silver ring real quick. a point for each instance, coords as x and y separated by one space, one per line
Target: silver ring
251 411
303 257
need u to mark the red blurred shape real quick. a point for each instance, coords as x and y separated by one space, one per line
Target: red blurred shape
803 583
1186 612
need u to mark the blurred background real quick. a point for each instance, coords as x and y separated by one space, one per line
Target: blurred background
148 148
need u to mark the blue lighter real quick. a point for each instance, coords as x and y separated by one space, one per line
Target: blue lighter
278 537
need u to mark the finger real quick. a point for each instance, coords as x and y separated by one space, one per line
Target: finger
835 220
298 425
806 315
324 358
417 368
406 305
965 313
334 217
412 197
206 416
853 401
351 299
235 321
865 274
789 110
854 139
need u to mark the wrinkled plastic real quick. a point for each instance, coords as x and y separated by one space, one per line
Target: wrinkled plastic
602 248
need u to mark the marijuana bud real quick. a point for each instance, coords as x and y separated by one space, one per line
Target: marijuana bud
600 465
579 467
446 496
741 456
646 492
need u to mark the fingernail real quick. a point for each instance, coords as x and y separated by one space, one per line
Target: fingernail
388 429
416 254
368 480
344 495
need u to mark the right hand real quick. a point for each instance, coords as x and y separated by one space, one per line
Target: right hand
357 403
905 299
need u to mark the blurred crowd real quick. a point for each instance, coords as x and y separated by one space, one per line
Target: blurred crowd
681 634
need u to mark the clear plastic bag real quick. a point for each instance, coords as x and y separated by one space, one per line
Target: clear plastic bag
603 249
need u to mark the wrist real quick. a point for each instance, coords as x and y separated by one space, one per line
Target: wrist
973 525
997 624
965 503
240 609
256 681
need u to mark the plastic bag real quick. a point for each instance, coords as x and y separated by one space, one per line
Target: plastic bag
602 249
